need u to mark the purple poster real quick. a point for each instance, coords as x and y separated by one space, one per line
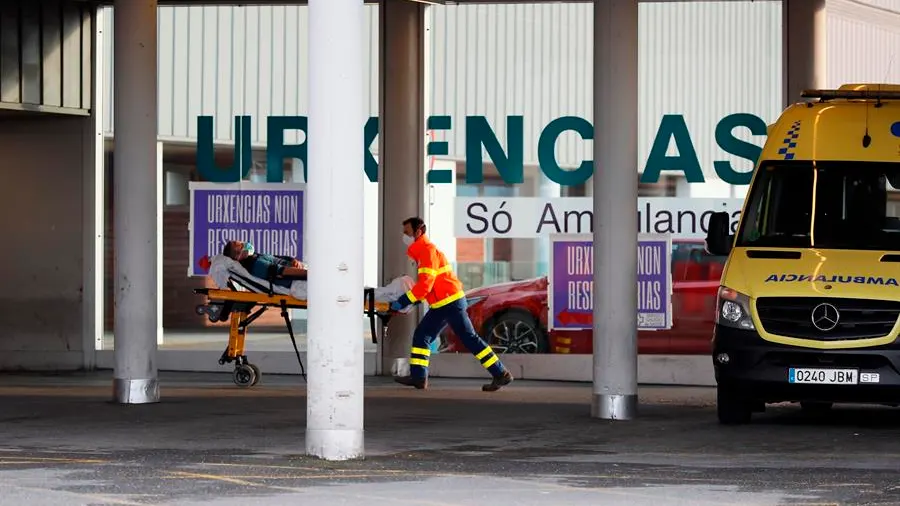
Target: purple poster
268 215
571 289
653 275
572 285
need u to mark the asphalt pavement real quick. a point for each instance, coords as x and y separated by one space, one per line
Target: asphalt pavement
62 442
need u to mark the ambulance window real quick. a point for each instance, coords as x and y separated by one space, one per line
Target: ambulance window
857 206
779 208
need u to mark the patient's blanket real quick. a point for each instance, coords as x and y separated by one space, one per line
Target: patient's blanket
222 269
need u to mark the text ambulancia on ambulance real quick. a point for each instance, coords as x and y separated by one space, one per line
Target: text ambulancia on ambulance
809 302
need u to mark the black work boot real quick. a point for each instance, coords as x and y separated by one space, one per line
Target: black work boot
419 383
498 382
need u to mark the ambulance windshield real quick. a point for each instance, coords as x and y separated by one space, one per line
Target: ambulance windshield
827 205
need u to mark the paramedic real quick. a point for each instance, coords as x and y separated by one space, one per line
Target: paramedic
447 303
281 270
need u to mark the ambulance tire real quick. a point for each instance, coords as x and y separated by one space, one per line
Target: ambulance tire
732 407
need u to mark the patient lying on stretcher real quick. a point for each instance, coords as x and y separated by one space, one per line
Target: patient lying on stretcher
239 261
282 270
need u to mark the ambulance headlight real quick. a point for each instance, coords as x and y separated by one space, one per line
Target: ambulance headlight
733 309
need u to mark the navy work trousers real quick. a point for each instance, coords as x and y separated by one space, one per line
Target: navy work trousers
453 314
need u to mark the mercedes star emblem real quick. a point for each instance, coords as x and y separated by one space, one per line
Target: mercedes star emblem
825 317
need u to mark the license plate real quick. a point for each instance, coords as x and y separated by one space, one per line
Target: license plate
823 376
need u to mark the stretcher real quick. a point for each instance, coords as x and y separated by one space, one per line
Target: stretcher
244 298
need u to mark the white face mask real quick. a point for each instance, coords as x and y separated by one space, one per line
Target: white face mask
407 240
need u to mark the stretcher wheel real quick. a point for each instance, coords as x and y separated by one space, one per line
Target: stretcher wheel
256 372
245 376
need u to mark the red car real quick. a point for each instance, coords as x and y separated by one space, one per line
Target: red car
512 317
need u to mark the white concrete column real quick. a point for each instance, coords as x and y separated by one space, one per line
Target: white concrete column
94 209
334 404
298 316
371 235
160 198
804 60
615 200
137 195
401 154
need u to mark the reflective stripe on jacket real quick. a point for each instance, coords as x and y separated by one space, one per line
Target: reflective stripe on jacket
436 284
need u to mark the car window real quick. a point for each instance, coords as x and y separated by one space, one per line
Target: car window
694 263
681 256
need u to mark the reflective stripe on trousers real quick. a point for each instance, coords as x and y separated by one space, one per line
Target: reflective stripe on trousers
454 314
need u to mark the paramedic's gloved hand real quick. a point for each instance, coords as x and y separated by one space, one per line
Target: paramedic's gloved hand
401 303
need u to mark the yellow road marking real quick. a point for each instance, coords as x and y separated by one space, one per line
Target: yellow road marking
302 468
203 476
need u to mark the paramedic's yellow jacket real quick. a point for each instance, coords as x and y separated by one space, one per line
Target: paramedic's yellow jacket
436 284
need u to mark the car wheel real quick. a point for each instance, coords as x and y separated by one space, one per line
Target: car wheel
516 332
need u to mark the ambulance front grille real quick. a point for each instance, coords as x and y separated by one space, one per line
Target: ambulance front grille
856 318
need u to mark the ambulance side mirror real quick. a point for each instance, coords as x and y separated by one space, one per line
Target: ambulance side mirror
718 237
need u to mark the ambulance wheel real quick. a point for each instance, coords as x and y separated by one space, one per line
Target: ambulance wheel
200 309
732 407
244 376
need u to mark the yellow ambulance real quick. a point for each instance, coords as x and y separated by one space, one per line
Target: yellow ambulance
808 309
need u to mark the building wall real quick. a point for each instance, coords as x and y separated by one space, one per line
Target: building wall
533 60
46 55
703 60
699 61
863 41
41 306
233 61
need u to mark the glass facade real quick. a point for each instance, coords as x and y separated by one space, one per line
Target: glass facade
695 130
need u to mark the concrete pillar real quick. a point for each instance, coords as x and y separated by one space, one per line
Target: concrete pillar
401 154
160 196
372 234
334 405
137 196
804 26
615 199
298 316
94 208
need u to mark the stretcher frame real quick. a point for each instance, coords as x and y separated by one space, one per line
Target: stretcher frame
240 308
